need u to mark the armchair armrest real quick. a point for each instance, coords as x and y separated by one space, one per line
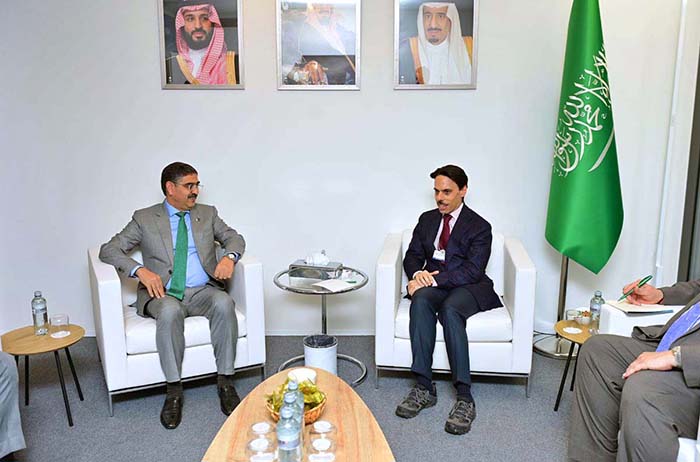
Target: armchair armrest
388 296
246 289
108 313
519 296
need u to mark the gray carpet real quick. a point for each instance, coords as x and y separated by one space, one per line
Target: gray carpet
508 426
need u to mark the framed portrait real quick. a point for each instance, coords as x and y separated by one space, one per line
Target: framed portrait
318 45
435 44
201 44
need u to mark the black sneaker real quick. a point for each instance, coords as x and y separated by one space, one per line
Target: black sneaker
461 417
417 399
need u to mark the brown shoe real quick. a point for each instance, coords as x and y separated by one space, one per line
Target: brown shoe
171 414
228 397
461 417
417 399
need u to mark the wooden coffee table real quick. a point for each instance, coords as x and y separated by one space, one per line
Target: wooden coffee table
359 438
23 342
575 339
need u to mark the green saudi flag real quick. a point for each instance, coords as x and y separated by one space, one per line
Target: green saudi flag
584 217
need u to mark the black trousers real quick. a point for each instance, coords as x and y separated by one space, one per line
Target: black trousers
452 308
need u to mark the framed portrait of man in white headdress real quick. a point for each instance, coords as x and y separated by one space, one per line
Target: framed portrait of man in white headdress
201 46
435 44
318 45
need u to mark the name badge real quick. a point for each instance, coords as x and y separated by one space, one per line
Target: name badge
439 255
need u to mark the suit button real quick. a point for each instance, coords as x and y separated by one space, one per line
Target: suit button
170 271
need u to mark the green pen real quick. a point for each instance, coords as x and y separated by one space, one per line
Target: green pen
640 284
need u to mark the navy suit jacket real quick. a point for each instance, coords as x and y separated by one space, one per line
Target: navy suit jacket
466 255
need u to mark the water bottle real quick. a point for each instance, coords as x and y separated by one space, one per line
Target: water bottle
596 302
39 314
288 444
293 389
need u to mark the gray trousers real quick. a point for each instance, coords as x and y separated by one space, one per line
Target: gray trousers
11 437
170 313
637 419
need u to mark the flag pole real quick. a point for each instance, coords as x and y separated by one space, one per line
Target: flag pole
553 346
564 273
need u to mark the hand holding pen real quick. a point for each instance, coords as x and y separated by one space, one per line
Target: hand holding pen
639 292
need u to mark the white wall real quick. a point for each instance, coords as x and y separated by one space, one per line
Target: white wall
85 130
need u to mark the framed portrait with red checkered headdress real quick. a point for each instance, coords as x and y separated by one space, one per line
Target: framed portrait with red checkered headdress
201 46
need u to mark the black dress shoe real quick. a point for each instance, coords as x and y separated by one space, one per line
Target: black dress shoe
229 398
8 457
171 414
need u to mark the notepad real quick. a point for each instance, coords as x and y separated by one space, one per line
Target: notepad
334 285
629 308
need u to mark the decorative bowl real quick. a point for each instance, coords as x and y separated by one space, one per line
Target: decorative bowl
583 320
310 416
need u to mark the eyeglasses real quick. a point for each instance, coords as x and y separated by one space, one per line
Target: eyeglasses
191 186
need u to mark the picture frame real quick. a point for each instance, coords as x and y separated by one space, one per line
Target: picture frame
201 48
431 54
318 45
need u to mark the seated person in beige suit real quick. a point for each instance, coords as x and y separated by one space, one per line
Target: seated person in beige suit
181 277
635 396
11 436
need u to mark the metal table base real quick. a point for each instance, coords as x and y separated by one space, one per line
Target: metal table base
324 330
60 377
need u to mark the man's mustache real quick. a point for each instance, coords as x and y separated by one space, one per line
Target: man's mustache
192 196
434 29
198 30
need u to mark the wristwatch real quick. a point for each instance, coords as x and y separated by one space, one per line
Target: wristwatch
677 356
233 256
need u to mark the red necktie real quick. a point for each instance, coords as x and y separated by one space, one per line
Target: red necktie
445 234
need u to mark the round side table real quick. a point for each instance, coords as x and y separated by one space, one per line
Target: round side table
575 339
23 342
356 278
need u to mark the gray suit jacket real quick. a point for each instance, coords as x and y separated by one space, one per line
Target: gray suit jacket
149 229
681 293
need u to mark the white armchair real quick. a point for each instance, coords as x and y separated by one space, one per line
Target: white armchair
127 344
500 340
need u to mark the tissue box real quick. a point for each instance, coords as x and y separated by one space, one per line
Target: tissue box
299 269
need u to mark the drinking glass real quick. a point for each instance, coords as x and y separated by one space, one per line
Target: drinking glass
59 325
261 449
320 445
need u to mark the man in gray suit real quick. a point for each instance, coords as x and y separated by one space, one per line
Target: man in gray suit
635 396
181 277
11 436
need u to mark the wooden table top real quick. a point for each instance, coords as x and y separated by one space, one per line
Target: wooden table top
22 341
576 338
359 437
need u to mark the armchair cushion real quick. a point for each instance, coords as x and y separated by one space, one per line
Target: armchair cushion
488 326
141 332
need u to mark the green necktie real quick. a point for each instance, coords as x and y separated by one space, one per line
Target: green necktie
177 283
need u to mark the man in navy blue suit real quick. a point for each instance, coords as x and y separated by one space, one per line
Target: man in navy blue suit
446 264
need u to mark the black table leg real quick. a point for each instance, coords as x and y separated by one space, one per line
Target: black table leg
26 380
573 377
75 376
563 377
63 388
17 362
